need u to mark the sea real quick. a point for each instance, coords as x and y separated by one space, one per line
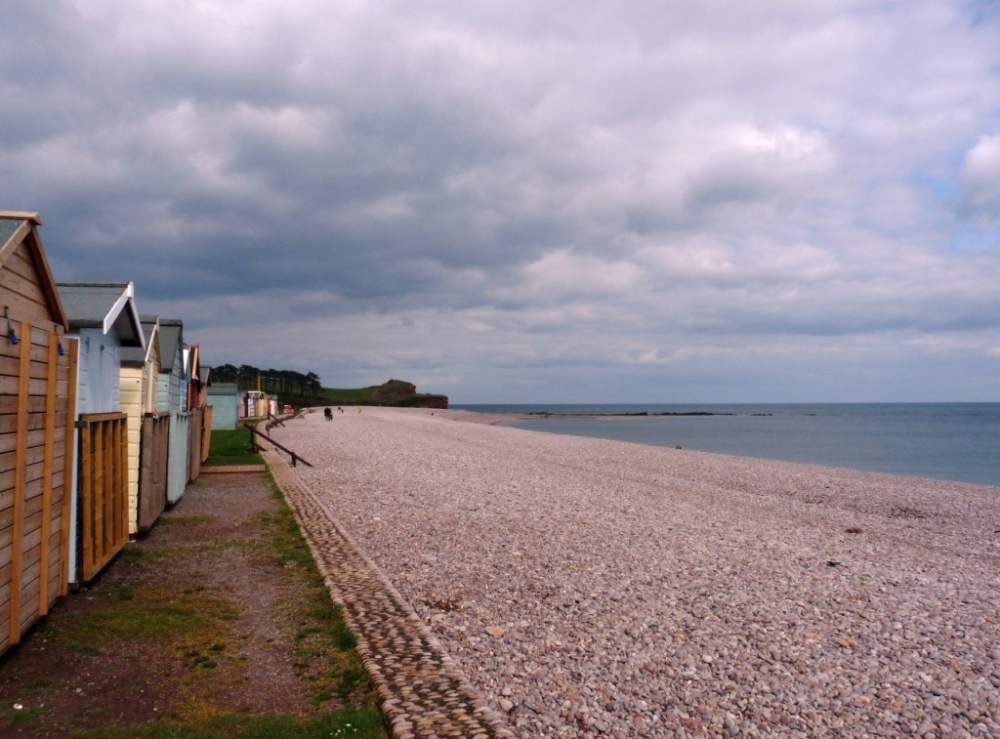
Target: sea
943 441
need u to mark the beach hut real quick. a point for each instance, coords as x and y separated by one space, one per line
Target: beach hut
256 404
37 368
199 413
103 320
224 400
148 430
171 397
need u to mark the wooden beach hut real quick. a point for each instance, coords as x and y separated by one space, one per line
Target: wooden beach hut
37 372
224 400
103 320
148 430
171 397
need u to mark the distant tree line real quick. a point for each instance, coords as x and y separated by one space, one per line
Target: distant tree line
272 381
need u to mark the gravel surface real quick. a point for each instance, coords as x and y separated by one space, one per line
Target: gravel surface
591 587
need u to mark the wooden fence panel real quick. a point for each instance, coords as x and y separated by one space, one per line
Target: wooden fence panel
154 447
103 489
34 409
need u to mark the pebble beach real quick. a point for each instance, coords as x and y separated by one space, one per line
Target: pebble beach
598 588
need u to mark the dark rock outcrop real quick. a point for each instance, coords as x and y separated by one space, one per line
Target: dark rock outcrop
404 394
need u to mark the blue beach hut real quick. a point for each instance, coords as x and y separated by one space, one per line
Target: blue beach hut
103 320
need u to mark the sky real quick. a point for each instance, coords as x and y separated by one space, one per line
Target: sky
528 202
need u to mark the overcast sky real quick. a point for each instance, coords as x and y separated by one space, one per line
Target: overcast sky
531 201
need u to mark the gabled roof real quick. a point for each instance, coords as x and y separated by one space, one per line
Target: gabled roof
171 337
134 356
104 305
19 229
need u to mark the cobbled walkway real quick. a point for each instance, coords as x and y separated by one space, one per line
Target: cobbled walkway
422 691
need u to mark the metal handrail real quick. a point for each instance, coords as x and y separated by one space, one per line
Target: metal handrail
295 457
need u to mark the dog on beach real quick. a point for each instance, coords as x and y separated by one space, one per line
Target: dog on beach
328 414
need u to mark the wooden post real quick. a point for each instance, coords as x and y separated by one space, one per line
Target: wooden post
121 506
50 431
87 474
107 489
68 467
20 454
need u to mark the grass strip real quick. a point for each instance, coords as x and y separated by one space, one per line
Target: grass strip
231 447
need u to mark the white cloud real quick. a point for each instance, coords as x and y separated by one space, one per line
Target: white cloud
980 178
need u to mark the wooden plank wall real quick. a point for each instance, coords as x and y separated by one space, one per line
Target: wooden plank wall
195 424
36 398
153 469
131 395
103 489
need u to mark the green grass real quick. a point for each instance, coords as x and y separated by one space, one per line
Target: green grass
346 724
147 613
196 623
391 393
322 635
232 447
25 716
347 396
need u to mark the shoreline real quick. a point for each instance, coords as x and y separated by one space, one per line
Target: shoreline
492 419
896 459
589 586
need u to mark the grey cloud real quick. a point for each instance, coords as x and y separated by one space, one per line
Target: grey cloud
613 188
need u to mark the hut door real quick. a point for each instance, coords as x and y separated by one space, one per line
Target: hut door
153 469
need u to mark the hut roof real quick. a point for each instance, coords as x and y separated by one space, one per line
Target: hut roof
19 228
171 336
134 356
104 305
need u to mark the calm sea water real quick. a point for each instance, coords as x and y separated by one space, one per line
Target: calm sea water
945 441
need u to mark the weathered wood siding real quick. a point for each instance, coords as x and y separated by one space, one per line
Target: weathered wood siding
100 362
138 387
21 281
103 489
196 442
36 400
153 470
132 397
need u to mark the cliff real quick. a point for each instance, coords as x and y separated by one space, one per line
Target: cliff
404 394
